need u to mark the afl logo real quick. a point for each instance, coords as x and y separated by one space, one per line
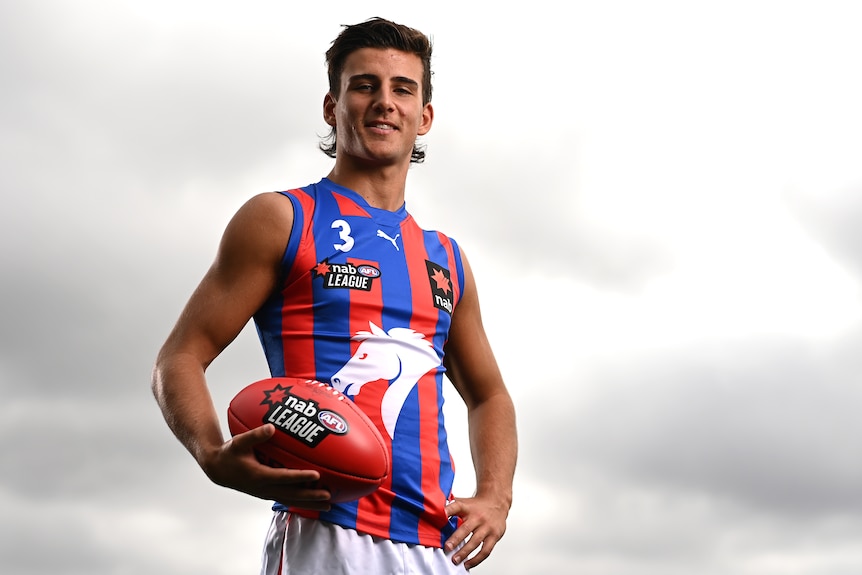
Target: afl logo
333 422
368 271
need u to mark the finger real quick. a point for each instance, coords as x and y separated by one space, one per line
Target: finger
484 553
274 475
454 508
458 537
246 441
458 508
252 437
469 546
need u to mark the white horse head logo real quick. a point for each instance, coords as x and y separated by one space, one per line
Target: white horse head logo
400 355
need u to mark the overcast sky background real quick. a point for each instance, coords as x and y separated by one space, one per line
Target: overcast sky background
662 203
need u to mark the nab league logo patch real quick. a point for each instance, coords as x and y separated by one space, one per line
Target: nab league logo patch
347 276
302 419
441 286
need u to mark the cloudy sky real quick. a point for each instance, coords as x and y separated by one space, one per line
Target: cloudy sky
662 202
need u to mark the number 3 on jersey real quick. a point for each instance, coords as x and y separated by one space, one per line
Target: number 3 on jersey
343 235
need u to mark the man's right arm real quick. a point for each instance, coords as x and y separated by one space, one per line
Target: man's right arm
240 279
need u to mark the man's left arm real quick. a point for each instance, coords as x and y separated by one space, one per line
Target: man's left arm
473 370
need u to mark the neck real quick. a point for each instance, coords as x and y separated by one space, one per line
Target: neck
382 187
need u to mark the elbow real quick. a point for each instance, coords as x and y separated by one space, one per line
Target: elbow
156 386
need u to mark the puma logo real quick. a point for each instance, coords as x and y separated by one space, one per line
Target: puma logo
382 234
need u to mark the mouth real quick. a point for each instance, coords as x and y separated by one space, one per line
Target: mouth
382 126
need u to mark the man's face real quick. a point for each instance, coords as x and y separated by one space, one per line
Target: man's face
379 112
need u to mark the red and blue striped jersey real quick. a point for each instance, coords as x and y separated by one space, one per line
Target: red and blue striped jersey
364 303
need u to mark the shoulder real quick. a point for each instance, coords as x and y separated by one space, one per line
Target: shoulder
273 203
261 227
269 212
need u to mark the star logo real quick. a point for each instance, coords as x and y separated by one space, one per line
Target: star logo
441 280
276 395
321 269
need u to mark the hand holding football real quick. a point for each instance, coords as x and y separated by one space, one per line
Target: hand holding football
317 427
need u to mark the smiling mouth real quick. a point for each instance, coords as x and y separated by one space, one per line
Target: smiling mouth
380 126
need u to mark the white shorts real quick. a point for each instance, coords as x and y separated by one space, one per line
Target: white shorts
300 546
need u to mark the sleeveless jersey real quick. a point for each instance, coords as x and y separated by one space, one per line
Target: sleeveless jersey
364 303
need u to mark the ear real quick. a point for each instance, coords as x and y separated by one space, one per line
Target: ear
329 103
427 119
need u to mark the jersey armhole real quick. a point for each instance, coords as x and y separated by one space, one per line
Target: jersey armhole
293 242
459 267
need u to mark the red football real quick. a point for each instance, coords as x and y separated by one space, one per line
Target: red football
317 427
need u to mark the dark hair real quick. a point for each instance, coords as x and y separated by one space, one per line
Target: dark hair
376 33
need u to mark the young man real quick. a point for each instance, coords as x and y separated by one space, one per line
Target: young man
290 261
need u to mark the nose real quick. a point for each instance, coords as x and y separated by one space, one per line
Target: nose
383 102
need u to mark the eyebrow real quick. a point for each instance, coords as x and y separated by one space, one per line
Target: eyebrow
374 77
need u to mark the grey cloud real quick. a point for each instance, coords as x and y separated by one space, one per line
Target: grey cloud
106 108
524 208
661 464
834 220
766 426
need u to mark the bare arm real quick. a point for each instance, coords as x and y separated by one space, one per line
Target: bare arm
240 279
473 370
